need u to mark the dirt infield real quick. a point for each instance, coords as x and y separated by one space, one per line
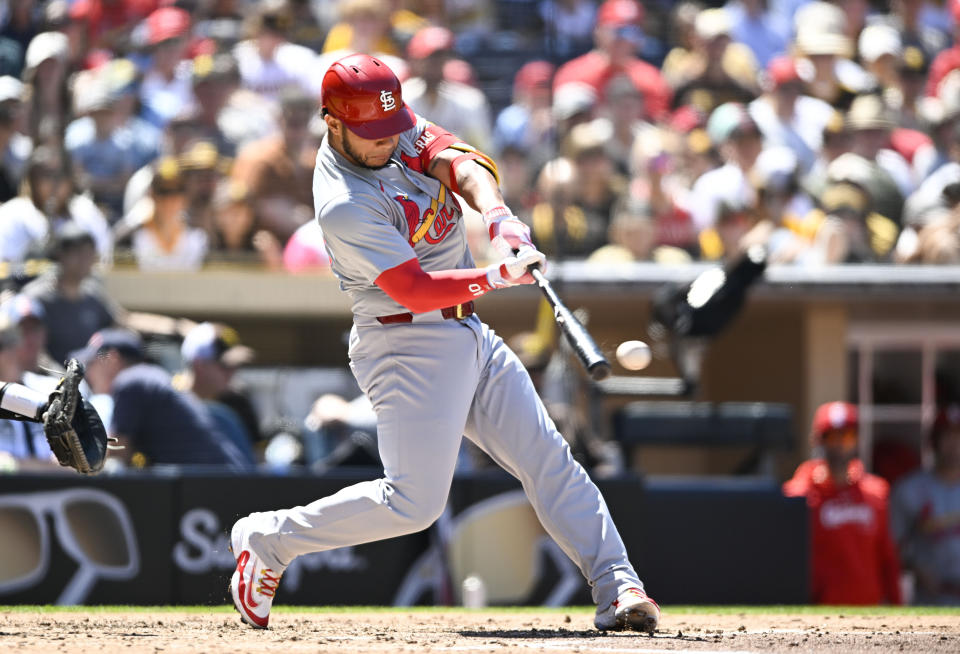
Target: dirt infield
374 632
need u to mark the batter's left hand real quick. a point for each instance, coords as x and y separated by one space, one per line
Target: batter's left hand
515 269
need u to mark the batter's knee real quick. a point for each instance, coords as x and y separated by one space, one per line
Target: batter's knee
417 509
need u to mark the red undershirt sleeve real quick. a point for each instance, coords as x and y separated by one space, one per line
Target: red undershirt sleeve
422 291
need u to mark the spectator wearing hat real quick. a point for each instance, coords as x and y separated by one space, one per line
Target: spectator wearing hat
213 353
780 207
925 517
215 78
788 117
106 143
15 146
167 241
885 197
836 141
617 36
683 138
870 122
226 113
23 445
527 124
203 172
268 62
154 423
718 70
624 112
73 300
845 228
270 182
854 559
880 49
724 193
680 60
27 314
578 191
573 103
665 161
823 47
364 26
461 109
45 73
166 87
907 97
49 200
910 19
122 80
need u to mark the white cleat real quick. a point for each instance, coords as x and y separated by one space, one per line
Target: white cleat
631 611
253 585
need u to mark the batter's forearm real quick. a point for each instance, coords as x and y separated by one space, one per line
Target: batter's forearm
422 291
478 187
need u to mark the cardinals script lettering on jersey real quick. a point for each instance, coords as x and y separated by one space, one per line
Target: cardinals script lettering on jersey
441 224
836 514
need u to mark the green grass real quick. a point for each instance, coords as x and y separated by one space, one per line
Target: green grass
714 610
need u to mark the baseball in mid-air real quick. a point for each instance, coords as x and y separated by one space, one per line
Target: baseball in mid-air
634 355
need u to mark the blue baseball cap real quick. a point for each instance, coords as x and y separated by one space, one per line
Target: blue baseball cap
215 342
20 307
126 342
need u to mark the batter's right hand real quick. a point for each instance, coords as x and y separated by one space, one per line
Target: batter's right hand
515 269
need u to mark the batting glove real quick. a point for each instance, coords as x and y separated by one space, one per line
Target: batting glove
507 232
515 269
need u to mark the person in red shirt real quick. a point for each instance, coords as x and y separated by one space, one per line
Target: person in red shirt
854 560
617 35
947 59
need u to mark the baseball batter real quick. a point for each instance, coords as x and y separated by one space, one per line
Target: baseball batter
383 191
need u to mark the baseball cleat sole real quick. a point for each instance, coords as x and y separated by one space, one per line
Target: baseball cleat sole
636 619
236 607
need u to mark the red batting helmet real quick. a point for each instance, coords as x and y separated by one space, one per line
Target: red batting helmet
835 415
365 94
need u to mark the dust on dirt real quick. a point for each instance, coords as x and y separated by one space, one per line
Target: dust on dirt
171 632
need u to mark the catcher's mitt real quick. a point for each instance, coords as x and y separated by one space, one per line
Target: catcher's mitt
72 426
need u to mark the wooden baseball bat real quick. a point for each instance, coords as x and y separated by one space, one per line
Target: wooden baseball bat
579 338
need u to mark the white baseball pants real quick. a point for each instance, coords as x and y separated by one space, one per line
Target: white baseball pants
430 382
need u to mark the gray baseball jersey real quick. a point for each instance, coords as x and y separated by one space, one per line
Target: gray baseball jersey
431 381
374 220
925 521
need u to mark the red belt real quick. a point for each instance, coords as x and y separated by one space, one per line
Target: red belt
458 311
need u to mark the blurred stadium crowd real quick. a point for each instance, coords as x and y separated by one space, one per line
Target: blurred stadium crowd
181 133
